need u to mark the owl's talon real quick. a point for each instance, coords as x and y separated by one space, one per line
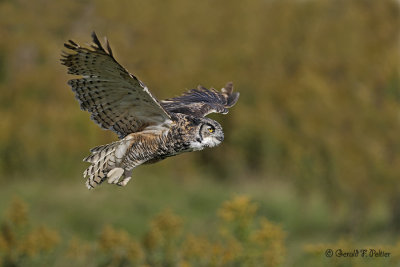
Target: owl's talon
113 180
124 182
114 175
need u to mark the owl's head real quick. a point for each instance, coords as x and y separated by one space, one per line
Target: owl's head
209 134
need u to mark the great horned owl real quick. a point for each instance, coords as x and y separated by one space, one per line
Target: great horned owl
149 130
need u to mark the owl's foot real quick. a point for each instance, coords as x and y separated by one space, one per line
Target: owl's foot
124 181
114 175
119 176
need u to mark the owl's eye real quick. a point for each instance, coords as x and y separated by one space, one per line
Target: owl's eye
211 130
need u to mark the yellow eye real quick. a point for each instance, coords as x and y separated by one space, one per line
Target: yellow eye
211 130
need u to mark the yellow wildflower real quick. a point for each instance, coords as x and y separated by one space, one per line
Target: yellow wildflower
77 249
167 223
18 212
39 240
152 239
119 245
270 238
238 209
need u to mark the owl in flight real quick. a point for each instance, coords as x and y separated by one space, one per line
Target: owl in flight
149 130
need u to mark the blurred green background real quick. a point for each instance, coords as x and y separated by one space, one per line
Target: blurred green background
313 139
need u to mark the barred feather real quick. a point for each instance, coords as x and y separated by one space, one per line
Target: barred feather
117 100
103 160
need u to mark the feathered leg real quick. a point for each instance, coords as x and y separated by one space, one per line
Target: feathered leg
116 161
105 163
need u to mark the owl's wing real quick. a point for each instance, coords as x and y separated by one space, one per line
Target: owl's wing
117 100
202 101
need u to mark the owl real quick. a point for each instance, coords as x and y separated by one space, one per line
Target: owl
149 130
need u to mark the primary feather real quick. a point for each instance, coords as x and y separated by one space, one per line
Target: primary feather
201 101
117 100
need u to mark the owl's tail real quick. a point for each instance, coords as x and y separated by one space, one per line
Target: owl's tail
105 164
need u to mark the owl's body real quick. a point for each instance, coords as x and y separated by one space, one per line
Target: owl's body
149 130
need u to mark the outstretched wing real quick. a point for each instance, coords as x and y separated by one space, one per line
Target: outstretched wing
202 101
117 99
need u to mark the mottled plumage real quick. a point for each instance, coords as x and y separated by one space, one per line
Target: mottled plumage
149 130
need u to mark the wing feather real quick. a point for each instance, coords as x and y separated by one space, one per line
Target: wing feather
202 101
116 99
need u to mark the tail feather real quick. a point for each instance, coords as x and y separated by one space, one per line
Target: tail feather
103 160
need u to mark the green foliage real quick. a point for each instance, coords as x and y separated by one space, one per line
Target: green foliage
21 244
319 84
164 244
243 238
